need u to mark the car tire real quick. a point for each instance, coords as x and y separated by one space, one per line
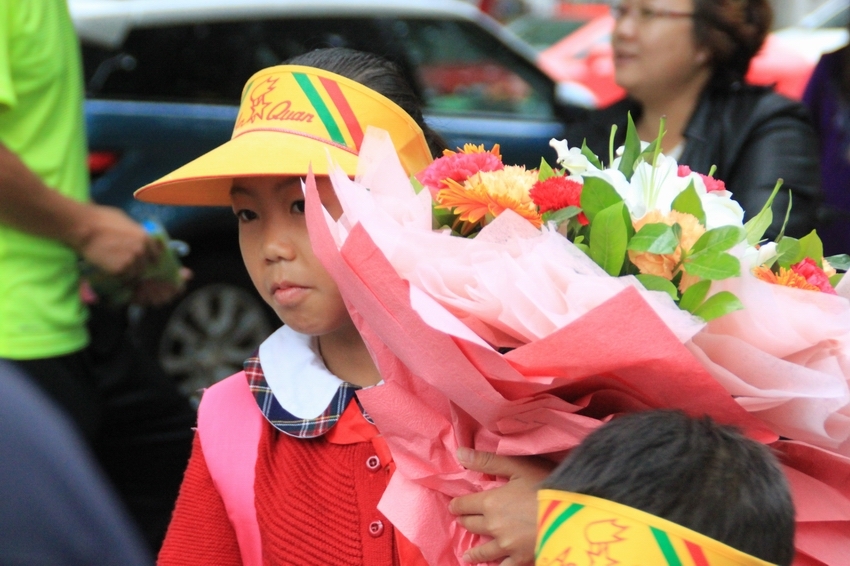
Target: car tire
207 332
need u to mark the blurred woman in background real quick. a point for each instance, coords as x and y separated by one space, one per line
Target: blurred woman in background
686 60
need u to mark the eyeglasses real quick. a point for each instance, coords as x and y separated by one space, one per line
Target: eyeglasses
644 14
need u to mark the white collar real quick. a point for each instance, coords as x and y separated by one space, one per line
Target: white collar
296 374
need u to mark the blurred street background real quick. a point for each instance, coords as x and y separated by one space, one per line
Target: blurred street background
163 80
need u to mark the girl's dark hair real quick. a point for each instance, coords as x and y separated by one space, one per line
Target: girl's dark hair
377 73
733 31
694 472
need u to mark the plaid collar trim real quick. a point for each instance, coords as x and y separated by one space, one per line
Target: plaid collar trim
286 422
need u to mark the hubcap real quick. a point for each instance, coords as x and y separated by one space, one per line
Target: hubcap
210 334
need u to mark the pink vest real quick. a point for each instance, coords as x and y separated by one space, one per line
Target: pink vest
229 427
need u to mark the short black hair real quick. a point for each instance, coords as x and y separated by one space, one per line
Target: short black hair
691 471
379 74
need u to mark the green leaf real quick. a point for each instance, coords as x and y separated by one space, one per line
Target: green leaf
788 252
713 266
656 238
718 240
545 171
717 305
836 279
611 143
596 195
787 216
578 240
812 247
631 150
417 186
694 296
561 215
608 239
841 262
442 218
627 222
688 203
584 248
758 224
658 283
677 230
585 151
648 154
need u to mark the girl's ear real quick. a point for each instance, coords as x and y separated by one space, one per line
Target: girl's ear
703 55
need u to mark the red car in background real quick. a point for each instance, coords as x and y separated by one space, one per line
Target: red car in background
585 57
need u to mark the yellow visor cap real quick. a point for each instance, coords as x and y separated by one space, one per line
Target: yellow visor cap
291 118
580 530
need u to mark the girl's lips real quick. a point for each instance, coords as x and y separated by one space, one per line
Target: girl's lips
289 296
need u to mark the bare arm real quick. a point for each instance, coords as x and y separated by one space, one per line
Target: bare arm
103 235
507 513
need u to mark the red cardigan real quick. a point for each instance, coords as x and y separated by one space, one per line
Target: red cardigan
316 503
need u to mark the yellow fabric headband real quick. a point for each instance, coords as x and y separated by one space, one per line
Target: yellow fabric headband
580 530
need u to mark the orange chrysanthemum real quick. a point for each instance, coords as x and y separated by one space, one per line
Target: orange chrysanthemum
486 195
472 148
786 278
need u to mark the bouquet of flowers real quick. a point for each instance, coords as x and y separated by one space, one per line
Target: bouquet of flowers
645 215
572 295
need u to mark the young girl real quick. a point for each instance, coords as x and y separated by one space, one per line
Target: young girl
286 469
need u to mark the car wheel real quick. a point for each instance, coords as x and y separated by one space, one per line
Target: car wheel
208 332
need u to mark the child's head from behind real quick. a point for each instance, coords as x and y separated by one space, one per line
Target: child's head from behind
705 477
292 118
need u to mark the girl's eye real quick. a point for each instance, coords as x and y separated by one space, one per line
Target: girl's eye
298 206
245 215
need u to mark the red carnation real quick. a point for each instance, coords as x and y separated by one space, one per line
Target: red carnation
814 275
556 193
711 184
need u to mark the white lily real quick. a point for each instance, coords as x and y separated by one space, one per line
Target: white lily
655 188
754 256
571 158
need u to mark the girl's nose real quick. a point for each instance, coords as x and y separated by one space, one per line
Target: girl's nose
277 246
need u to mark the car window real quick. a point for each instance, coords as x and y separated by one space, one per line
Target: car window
455 66
541 32
463 70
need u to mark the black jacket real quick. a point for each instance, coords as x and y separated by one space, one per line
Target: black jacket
754 137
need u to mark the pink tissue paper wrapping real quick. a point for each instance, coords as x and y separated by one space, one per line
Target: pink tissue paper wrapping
591 347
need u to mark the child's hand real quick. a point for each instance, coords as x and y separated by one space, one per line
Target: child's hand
507 513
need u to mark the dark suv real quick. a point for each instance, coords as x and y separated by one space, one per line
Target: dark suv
163 83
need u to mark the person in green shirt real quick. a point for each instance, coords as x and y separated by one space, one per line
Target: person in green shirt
130 413
46 218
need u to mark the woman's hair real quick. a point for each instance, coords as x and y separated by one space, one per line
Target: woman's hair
733 31
376 73
693 472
